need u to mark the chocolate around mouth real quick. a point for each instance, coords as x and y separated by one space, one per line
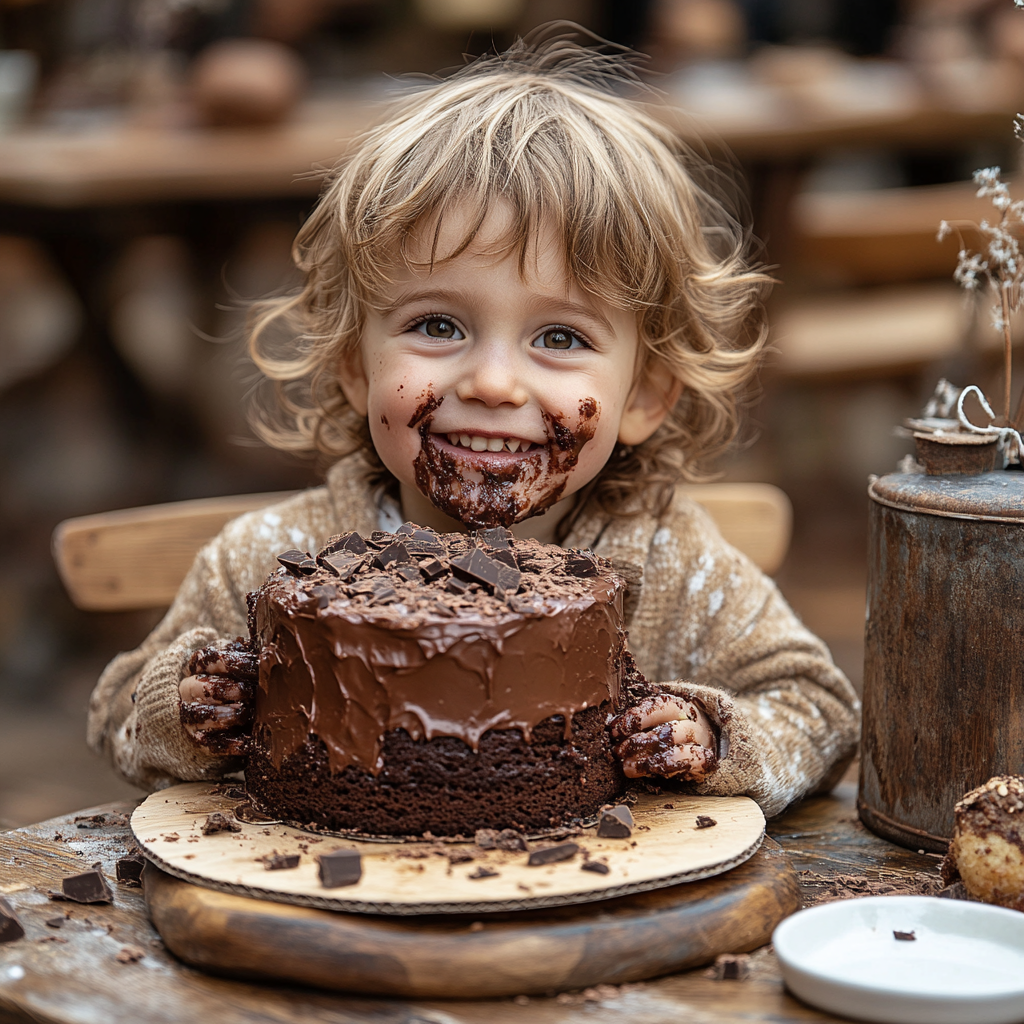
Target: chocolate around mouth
483 497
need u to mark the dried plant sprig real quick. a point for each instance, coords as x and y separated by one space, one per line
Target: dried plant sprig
1008 437
1001 264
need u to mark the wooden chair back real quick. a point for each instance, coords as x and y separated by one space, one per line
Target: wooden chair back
136 558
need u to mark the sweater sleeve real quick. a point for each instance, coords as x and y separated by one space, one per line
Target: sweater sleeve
788 717
134 710
134 715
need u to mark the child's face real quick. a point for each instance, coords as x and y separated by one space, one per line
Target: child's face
496 394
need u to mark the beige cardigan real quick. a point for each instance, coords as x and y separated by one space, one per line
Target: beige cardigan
704 617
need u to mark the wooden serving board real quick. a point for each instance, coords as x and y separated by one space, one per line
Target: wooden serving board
415 877
450 956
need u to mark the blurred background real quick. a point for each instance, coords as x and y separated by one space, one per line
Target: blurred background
157 157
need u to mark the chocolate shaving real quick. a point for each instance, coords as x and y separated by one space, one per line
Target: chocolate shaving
218 822
10 927
704 821
432 569
395 553
280 861
552 854
506 839
339 868
580 564
344 564
350 542
482 872
129 870
615 822
88 887
904 936
292 559
597 866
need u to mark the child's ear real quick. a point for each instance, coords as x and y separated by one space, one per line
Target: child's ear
650 401
352 378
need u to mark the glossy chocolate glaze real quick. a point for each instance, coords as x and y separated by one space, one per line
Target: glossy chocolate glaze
349 660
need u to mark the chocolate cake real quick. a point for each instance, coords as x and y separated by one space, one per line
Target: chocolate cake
421 682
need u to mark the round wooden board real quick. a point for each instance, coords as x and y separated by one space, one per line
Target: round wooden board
469 957
666 848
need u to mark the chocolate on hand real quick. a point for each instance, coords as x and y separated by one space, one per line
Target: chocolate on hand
217 697
665 736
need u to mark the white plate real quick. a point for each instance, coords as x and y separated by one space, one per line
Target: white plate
965 966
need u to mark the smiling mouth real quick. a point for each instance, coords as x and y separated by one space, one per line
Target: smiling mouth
480 443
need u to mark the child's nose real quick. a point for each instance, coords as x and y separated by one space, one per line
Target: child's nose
492 375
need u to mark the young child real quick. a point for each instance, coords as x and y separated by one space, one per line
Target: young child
520 308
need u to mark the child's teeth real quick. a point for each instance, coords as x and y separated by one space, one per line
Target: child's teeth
495 444
453 439
464 440
513 444
478 444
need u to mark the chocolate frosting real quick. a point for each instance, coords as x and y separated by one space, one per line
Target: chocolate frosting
348 657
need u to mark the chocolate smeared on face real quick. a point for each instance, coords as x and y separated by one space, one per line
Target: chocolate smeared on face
483 498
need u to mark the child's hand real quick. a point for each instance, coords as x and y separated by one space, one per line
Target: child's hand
667 736
217 697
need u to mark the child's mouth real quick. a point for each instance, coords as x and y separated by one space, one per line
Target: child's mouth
485 444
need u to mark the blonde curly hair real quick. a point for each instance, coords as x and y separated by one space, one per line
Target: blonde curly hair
642 223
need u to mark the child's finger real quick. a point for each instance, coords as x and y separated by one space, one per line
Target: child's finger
649 712
233 659
661 737
690 762
198 718
212 689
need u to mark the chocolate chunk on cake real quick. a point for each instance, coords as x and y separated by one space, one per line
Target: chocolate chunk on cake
422 682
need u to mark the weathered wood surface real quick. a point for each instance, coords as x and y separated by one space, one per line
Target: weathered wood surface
81 981
943 676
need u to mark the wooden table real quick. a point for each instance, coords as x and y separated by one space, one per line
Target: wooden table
79 980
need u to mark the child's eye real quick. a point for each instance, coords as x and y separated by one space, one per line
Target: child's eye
439 327
559 338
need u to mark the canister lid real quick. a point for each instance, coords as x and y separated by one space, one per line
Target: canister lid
998 495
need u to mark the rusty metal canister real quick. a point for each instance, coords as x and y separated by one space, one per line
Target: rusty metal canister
944 648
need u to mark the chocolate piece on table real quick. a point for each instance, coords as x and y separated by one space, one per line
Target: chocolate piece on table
218 822
904 936
280 861
350 541
580 564
129 870
705 821
432 569
340 867
55 922
88 887
597 866
552 854
482 872
615 822
10 927
292 559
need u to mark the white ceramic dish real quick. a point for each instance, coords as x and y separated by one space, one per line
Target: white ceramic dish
965 966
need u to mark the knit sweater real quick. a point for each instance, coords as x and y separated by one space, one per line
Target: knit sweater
703 621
